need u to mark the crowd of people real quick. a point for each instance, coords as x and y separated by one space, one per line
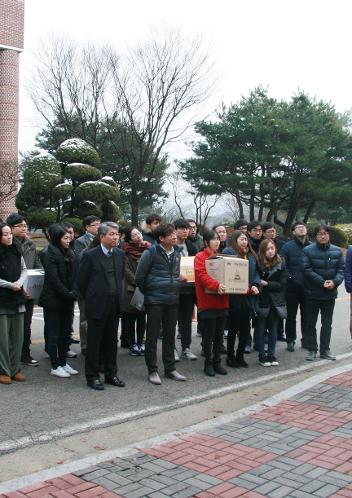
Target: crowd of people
134 277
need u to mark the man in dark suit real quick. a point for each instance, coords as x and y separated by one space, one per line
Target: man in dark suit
91 225
100 282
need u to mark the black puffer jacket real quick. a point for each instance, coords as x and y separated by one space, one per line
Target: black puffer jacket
322 262
59 289
10 270
158 276
292 251
273 294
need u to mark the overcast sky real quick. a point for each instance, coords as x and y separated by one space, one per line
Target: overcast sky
282 44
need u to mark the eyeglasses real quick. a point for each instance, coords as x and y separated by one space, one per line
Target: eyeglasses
20 225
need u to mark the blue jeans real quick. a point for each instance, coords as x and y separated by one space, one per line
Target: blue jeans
269 324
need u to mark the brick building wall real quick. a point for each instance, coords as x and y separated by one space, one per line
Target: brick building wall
11 44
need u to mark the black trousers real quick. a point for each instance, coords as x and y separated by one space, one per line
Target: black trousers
27 327
102 342
135 323
238 323
294 299
213 331
166 315
57 327
326 308
185 314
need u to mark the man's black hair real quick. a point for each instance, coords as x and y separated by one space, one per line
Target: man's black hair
152 217
252 224
181 223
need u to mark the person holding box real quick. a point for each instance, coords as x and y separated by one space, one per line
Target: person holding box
212 306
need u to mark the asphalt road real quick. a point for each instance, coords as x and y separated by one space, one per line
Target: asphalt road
47 408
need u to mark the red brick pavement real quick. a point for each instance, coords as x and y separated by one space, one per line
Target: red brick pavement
226 460
66 486
306 416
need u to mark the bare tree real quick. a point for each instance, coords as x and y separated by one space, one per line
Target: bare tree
129 108
155 89
200 204
69 87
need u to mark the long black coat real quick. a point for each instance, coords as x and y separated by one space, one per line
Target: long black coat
59 289
93 280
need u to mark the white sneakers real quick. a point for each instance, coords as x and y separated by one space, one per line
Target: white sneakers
188 355
63 372
69 369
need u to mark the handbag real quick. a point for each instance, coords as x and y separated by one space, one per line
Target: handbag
263 312
281 311
137 300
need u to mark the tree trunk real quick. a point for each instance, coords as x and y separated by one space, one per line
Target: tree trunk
240 207
308 212
252 204
134 210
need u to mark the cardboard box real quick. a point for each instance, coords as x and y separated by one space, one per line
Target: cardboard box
187 267
34 283
232 272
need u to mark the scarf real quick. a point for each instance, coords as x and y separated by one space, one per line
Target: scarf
136 251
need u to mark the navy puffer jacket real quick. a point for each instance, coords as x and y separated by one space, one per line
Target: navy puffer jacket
322 262
158 276
292 251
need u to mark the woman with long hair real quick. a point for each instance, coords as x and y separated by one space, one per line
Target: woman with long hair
13 273
272 302
58 297
133 246
242 306
212 304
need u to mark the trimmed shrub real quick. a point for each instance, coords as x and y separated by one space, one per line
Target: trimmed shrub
76 222
62 191
82 172
110 211
41 217
89 208
109 180
347 229
75 150
97 192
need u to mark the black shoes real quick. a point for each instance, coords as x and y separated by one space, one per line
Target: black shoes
28 360
209 370
96 384
220 370
241 362
115 381
327 356
231 362
291 346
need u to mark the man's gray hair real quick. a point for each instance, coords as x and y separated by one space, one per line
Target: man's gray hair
105 226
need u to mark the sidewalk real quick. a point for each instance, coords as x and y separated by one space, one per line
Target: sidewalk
300 447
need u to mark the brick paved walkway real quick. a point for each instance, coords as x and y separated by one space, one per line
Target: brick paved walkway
298 448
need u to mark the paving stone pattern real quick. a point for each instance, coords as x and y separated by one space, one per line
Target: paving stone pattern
299 448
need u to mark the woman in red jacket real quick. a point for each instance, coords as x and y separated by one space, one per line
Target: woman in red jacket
212 307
